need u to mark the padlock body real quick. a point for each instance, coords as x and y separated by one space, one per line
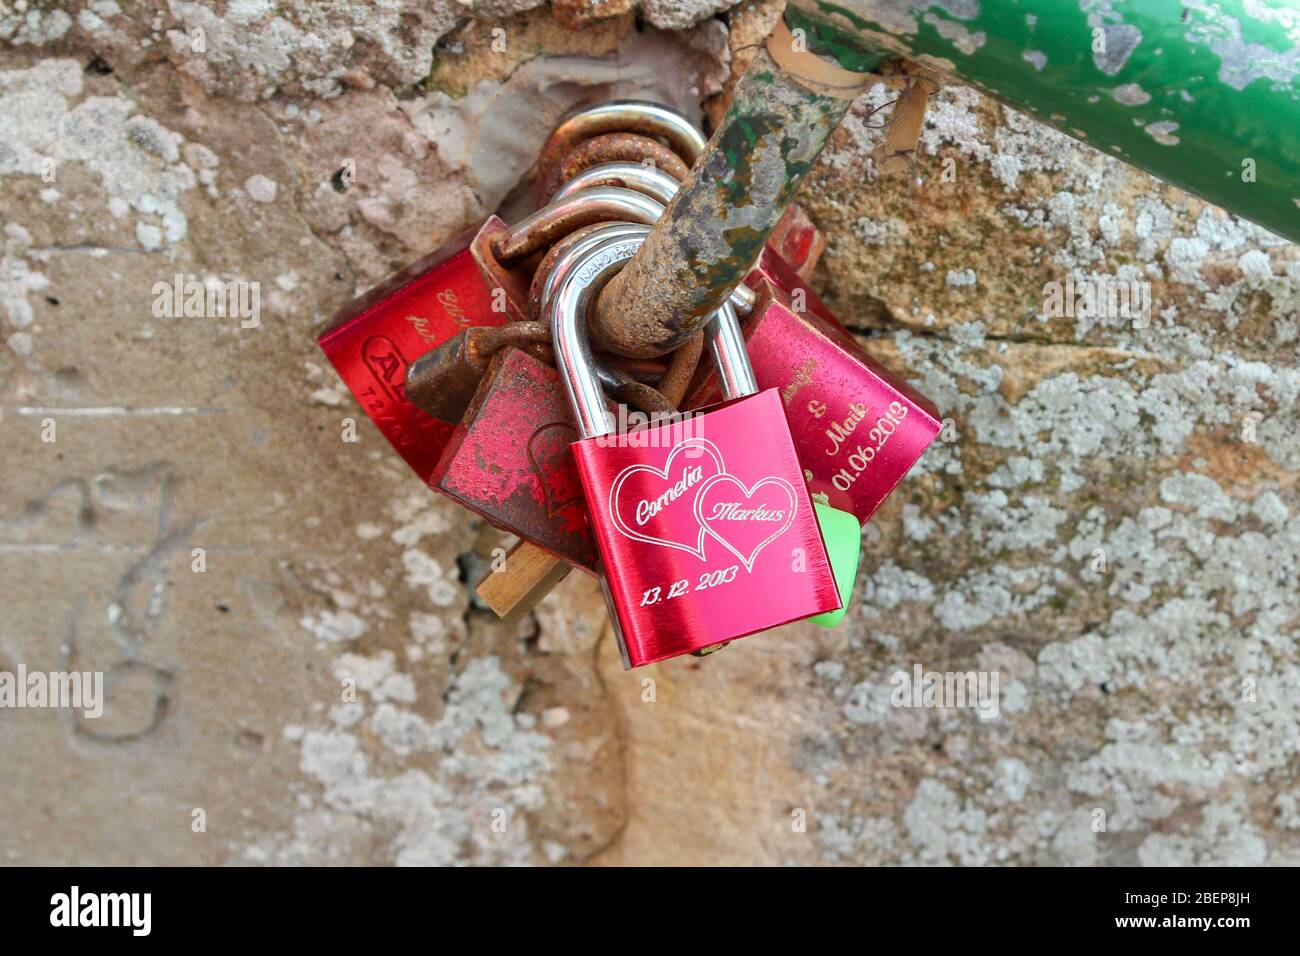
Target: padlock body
372 340
510 459
705 529
796 241
507 284
777 270
858 427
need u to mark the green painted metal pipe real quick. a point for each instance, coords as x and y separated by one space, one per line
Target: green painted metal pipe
709 236
1204 94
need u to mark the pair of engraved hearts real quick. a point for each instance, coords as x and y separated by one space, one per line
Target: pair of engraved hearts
675 506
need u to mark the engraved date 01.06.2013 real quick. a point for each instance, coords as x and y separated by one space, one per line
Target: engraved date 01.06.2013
864 455
709 579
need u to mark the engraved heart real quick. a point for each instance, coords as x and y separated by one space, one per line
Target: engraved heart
654 505
552 462
745 520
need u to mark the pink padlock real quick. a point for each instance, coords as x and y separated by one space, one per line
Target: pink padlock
858 427
704 526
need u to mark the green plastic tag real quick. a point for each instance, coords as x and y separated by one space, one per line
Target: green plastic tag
843 537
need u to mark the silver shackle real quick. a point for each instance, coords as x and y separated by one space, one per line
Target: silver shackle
589 194
639 177
580 274
610 376
621 116
562 216
635 116
726 344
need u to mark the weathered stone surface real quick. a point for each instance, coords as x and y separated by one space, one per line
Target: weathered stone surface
1111 525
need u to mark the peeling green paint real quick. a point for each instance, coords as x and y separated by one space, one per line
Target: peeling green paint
1204 94
827 40
710 235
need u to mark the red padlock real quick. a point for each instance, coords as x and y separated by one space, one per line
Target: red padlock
373 340
797 242
704 526
776 269
469 281
509 458
858 427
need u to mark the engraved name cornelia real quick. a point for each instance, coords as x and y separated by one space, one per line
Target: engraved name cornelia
647 509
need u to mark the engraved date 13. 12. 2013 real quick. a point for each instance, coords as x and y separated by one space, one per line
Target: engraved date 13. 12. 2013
709 579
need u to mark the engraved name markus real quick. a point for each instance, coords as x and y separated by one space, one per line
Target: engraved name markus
732 511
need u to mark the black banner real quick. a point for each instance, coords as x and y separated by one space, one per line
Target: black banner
338 906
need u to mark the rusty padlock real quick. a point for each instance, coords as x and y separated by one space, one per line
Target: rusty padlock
443 381
445 376
705 529
508 459
477 279
529 572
